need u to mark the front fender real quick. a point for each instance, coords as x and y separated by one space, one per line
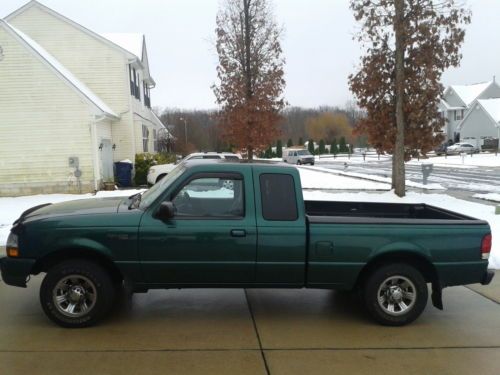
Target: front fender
81 243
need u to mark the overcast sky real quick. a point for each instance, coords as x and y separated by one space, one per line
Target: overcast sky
317 44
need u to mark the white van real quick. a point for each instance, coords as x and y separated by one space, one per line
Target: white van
298 156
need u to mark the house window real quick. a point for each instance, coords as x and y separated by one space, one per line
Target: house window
145 138
155 140
136 83
459 115
147 100
131 78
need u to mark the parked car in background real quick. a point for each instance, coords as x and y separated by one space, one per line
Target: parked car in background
441 149
460 147
298 156
157 172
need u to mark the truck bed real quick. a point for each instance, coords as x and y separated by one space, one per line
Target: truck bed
368 212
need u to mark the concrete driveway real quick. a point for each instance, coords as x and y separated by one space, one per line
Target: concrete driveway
235 331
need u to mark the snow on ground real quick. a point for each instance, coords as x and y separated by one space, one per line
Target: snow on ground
371 177
322 178
476 210
494 197
476 160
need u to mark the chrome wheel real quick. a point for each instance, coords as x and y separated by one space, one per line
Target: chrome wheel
74 296
228 184
397 295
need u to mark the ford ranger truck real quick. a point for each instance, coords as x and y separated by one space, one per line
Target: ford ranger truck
225 224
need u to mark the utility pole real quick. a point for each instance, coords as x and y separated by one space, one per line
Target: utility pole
185 129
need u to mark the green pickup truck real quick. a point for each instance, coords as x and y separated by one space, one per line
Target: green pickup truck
226 224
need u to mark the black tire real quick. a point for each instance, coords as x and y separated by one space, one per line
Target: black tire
380 283
89 277
158 179
299 162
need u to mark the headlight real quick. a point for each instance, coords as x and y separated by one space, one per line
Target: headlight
12 245
151 170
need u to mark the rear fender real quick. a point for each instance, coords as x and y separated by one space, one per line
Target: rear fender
398 247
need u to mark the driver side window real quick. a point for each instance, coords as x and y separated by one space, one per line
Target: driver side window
211 197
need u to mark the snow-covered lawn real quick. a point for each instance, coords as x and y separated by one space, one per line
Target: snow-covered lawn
362 179
11 208
322 178
476 160
494 197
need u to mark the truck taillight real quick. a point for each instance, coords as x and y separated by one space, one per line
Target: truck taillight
486 246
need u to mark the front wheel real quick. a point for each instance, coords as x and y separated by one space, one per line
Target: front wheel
395 294
76 293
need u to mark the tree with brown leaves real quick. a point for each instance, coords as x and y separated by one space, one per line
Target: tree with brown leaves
250 74
408 45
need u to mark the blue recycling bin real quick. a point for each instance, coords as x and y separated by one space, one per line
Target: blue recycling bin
123 172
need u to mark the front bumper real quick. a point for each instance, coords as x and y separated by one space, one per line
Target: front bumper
488 276
15 271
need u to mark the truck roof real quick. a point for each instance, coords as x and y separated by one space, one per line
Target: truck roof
259 163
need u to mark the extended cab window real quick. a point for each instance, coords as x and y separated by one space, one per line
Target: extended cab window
211 197
279 201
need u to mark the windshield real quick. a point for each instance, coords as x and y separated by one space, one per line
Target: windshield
150 195
303 152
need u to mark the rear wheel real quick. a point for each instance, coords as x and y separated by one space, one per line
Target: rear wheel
76 293
299 162
395 294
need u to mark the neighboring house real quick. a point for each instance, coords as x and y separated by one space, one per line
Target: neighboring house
67 92
457 100
481 122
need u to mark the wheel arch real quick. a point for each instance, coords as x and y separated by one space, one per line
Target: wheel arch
51 259
419 261
160 177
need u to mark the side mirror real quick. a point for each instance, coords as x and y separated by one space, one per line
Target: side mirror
166 211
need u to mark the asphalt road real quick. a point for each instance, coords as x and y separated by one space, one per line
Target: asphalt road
458 181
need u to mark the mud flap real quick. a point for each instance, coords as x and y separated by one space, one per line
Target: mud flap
437 296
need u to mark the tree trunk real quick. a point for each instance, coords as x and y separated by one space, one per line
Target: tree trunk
398 168
249 153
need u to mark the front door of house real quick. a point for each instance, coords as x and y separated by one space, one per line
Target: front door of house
106 160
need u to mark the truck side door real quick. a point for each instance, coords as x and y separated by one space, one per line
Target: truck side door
211 239
281 227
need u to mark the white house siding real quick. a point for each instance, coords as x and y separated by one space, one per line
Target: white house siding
42 123
102 68
476 127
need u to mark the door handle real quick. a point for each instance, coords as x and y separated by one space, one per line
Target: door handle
238 233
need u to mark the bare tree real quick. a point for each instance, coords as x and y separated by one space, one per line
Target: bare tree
250 74
408 44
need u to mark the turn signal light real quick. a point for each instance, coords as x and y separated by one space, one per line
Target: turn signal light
12 252
486 246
